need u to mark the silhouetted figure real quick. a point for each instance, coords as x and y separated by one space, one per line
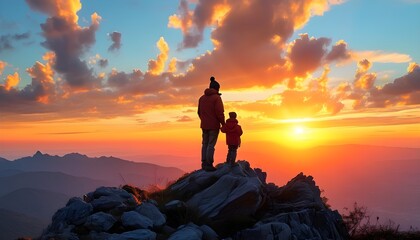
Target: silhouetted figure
211 113
233 137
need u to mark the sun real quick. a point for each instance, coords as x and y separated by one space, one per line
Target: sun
299 130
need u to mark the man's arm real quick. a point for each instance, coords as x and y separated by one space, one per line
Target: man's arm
220 111
198 108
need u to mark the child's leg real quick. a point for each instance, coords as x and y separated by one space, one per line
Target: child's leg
232 154
228 156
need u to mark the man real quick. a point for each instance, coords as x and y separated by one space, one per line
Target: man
211 113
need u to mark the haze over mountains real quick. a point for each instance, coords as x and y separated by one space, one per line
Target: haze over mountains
33 188
384 179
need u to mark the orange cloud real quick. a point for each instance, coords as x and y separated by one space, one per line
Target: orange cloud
382 57
68 40
412 67
42 86
172 65
251 55
2 66
66 9
183 20
157 66
12 81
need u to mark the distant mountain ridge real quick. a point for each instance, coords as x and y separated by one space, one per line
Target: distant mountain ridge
116 171
32 188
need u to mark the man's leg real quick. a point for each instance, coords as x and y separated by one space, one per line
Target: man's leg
212 139
205 143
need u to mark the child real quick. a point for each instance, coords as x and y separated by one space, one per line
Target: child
233 132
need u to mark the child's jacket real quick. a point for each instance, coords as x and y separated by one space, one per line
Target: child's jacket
233 132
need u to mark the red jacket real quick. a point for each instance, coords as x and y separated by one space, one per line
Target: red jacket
233 132
211 110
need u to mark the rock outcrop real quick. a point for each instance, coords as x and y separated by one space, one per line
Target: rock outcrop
229 203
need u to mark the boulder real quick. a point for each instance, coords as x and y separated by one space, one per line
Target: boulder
268 231
189 231
152 212
107 198
139 234
299 193
100 222
223 193
208 233
230 195
76 212
134 220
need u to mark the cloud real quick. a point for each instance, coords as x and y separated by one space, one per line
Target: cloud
404 90
157 66
245 54
103 62
339 52
306 54
193 23
11 81
6 40
406 84
116 41
2 66
34 97
184 119
363 79
315 99
381 56
21 36
137 83
42 88
64 9
68 40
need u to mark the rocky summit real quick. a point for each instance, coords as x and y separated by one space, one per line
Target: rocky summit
233 202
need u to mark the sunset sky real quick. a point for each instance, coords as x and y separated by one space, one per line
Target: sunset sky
123 77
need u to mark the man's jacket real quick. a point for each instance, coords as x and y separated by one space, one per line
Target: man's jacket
211 110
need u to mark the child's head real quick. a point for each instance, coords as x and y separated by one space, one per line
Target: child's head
232 115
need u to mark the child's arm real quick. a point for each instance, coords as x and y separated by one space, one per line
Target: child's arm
239 130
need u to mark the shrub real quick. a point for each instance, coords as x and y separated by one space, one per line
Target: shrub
360 227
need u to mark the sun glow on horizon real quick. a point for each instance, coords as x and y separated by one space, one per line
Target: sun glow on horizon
299 130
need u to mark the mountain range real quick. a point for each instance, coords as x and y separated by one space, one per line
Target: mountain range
33 188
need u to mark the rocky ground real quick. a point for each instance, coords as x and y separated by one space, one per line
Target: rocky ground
229 203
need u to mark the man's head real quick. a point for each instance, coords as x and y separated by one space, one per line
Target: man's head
214 84
232 115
